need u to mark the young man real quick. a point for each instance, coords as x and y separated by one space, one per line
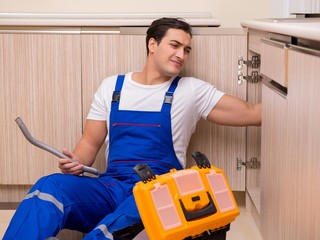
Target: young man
141 122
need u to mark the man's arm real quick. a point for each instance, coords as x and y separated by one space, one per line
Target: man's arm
86 149
232 111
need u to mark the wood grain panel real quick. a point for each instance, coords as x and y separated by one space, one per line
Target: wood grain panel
253 142
214 59
302 175
41 82
274 164
274 62
255 37
13 193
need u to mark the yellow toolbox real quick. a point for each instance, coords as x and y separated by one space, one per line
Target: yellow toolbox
184 203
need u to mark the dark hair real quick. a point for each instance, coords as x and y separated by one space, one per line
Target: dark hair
159 28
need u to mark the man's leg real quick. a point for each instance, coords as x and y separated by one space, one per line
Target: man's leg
125 215
64 201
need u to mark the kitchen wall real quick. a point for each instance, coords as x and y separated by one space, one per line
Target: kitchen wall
230 12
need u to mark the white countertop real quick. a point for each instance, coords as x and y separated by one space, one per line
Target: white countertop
307 28
88 20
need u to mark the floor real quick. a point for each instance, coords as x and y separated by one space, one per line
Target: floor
5 216
243 228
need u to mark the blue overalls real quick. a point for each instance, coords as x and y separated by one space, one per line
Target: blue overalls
106 204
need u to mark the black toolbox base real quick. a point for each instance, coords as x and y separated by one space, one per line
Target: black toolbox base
130 232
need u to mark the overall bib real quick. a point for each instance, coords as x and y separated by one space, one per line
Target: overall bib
105 204
141 137
136 137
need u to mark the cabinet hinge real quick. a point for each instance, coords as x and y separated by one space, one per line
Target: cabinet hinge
254 62
252 163
253 78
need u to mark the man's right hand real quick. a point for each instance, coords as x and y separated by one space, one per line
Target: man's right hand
67 167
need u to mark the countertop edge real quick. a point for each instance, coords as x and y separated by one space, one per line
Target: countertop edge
89 20
300 30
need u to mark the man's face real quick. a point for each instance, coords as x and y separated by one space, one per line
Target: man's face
172 52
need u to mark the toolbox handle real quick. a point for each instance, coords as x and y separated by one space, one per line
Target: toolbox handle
192 215
144 172
201 160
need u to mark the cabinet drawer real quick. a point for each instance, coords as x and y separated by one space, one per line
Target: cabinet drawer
274 61
255 40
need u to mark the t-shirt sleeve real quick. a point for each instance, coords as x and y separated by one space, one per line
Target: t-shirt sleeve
100 106
206 97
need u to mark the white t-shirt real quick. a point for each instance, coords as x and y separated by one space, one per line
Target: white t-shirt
193 99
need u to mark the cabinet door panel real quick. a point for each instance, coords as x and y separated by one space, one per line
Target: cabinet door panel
107 55
214 59
253 143
274 165
303 194
40 79
274 61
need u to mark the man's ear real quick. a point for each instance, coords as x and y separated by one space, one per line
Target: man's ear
152 44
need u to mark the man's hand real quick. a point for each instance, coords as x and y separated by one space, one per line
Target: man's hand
68 167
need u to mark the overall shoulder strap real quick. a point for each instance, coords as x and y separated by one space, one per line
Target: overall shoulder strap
117 93
117 89
168 98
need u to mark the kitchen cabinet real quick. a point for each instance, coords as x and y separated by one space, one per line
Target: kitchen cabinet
302 177
49 75
40 75
274 138
41 83
289 135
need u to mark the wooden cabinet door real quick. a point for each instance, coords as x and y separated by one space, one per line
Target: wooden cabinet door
302 175
105 55
40 76
213 59
253 140
274 163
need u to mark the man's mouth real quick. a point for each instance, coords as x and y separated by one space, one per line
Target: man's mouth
178 63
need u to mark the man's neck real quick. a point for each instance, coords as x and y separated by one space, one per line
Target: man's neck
147 78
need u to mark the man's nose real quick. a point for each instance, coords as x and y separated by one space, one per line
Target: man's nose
180 53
